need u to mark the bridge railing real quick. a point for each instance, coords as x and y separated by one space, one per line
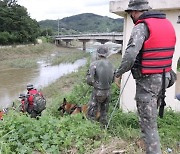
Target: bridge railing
88 35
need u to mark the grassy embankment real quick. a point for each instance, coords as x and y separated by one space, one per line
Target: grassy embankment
72 134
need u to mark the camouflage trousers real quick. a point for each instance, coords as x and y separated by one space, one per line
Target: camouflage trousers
147 93
98 106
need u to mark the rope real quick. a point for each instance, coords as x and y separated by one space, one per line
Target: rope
85 93
118 101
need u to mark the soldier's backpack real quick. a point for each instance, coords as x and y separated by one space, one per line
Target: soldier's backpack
39 103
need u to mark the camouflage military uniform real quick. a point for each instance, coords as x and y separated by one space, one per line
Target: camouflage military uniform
100 76
148 89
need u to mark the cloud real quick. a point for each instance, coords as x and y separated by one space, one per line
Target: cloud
96 3
54 9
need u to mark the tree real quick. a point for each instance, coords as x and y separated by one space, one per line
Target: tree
8 3
46 32
14 20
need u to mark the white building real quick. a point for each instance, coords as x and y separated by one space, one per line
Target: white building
172 10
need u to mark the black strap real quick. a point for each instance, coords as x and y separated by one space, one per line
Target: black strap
162 97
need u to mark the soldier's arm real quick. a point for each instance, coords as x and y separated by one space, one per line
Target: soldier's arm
90 74
138 36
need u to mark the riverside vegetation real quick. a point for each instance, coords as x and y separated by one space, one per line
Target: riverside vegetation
73 134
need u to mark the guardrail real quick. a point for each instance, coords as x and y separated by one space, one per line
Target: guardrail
89 35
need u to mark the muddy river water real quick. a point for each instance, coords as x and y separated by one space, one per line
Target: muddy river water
14 81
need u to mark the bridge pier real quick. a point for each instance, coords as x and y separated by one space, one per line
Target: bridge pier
57 42
84 43
68 41
84 46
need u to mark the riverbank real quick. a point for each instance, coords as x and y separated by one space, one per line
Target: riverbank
72 134
26 56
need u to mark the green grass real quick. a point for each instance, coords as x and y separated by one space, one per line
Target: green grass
178 69
56 134
21 134
23 63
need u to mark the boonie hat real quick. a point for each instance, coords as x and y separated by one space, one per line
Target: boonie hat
138 5
102 51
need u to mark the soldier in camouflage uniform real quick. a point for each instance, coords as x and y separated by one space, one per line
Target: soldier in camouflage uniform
100 76
148 54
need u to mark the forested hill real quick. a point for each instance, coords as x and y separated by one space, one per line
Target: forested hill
83 23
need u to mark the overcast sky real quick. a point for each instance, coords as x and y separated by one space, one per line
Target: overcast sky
54 9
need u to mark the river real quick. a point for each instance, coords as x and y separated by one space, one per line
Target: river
14 81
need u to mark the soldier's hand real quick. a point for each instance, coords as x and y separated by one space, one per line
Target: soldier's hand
116 73
117 81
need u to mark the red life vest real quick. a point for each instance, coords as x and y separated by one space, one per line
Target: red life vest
1 115
4 111
31 92
23 105
158 49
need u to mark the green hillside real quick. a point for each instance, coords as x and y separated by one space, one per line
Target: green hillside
83 23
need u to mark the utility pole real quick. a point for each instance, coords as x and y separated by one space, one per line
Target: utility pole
58 26
46 32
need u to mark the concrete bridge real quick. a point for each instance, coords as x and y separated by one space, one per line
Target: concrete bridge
84 38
